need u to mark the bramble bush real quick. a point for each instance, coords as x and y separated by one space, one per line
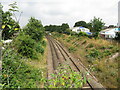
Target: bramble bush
25 45
39 48
30 40
16 74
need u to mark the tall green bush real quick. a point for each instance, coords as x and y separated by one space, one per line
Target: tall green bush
34 29
39 48
25 45
82 34
17 74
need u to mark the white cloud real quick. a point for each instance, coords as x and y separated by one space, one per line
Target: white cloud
67 11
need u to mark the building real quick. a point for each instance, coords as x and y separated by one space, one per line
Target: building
109 33
81 29
119 14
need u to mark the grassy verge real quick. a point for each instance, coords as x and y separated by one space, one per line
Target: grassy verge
40 63
94 54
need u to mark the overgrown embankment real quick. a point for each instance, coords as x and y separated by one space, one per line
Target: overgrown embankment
23 60
95 54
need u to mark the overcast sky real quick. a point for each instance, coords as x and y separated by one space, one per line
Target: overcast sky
66 11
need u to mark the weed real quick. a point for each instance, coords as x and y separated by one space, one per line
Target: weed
110 46
16 74
66 78
94 53
106 53
72 49
39 48
43 43
90 45
84 42
103 47
68 40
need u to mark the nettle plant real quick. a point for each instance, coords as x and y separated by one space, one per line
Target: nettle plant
64 77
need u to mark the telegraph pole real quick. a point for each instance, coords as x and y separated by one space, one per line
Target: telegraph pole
119 14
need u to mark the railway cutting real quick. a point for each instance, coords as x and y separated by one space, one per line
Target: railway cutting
59 55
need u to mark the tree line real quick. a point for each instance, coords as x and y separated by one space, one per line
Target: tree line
94 25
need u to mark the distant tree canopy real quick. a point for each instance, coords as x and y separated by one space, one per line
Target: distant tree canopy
57 28
81 23
111 26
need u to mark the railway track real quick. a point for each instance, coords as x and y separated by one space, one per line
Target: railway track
60 55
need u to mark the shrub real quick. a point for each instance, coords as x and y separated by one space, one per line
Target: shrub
68 40
103 47
16 74
72 49
39 48
73 33
111 47
25 46
107 53
94 53
84 42
82 34
43 43
118 36
90 45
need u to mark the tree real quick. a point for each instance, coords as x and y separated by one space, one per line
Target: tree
9 25
89 26
64 27
80 23
57 28
34 29
96 26
111 26
53 28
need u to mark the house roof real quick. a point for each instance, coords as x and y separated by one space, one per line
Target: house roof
111 30
79 27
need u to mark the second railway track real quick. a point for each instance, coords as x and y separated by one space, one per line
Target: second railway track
60 55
